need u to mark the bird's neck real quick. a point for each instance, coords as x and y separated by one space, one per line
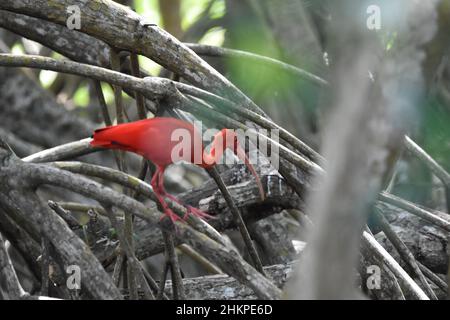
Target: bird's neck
211 158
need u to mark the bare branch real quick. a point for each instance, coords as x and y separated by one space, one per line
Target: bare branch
408 285
238 220
213 51
13 286
66 151
412 208
436 168
404 252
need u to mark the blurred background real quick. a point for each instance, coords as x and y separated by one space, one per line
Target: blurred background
293 31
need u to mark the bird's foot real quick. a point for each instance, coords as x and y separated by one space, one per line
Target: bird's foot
197 213
190 209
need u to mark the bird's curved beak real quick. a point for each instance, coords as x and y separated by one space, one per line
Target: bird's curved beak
240 153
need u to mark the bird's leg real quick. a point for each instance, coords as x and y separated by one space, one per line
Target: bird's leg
166 208
155 183
190 210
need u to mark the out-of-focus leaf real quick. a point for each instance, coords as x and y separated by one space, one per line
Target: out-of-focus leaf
191 10
47 78
108 93
17 49
149 9
214 37
81 97
437 133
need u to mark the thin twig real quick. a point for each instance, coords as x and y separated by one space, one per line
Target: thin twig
432 164
128 225
215 51
414 209
102 102
135 71
172 259
118 268
433 277
82 207
201 260
403 250
133 262
435 167
67 216
115 65
238 220
152 283
69 150
162 281
45 264
105 113
14 288
408 285
101 74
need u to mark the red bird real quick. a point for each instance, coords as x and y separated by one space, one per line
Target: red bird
154 140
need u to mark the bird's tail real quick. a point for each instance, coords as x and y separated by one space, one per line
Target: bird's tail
105 138
100 138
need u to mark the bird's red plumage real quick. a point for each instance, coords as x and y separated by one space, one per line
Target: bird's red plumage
151 138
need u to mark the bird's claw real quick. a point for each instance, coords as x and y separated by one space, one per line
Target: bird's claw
197 213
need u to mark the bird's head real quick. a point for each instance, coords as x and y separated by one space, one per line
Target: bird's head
228 139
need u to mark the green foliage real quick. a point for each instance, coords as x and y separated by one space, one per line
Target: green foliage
108 93
149 9
437 132
214 37
18 49
47 78
81 97
190 11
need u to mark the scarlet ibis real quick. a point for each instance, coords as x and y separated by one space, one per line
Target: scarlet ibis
153 139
